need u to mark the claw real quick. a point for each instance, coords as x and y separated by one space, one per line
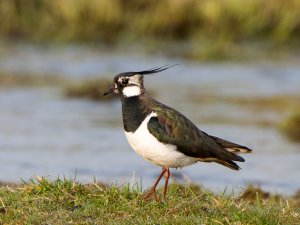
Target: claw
151 194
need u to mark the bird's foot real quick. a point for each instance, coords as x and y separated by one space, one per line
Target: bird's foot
150 195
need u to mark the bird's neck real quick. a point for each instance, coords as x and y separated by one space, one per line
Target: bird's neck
135 109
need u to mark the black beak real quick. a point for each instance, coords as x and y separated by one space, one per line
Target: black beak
109 90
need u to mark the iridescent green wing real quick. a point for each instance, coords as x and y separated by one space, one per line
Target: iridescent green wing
171 127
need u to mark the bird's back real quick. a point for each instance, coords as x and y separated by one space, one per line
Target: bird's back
172 127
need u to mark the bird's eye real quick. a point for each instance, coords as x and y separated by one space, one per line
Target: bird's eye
124 81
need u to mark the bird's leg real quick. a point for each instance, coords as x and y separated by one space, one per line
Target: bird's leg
152 189
166 175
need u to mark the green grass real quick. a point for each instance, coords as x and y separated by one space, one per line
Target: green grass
65 201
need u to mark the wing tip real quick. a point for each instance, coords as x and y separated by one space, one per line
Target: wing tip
229 164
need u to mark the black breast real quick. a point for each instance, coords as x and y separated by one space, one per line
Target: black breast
135 110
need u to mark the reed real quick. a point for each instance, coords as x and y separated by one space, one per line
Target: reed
111 21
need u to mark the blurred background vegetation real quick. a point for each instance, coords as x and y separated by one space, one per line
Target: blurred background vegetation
207 29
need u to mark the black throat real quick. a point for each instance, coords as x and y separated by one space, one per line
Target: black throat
135 110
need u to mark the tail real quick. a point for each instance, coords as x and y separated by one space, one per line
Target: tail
231 147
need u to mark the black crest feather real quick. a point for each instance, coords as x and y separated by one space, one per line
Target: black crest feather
155 70
145 72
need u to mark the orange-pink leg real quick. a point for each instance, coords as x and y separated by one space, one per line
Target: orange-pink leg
167 175
151 192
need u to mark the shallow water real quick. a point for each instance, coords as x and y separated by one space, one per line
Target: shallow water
43 133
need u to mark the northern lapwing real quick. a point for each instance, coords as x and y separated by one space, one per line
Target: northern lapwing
164 136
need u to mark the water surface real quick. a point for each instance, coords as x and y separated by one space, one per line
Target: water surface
43 133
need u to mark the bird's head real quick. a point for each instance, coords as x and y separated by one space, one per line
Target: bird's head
130 84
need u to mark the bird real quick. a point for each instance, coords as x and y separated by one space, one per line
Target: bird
163 135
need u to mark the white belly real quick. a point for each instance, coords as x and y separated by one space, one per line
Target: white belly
146 145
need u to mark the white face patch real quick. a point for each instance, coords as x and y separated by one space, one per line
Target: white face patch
134 80
131 91
116 89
